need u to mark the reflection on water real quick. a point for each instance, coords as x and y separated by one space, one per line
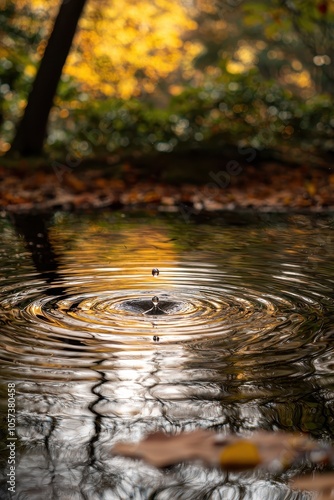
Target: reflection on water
241 338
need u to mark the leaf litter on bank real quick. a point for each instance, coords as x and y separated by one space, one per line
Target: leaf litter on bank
269 185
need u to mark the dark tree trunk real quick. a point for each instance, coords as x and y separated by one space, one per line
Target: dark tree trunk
34 229
31 131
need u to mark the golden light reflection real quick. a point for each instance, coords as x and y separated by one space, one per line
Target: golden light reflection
141 247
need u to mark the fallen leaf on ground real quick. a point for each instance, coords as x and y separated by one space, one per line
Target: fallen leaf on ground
74 183
270 185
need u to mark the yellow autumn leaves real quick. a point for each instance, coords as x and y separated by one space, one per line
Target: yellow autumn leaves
124 48
130 46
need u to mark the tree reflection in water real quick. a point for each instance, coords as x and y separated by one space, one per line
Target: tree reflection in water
248 347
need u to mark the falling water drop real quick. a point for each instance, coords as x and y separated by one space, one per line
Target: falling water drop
155 272
155 309
155 301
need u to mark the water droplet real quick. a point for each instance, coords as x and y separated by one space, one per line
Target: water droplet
155 272
155 301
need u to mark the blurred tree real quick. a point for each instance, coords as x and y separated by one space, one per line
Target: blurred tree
314 24
291 41
175 74
144 48
31 131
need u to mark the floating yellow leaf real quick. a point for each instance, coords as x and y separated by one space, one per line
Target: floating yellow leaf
240 455
230 452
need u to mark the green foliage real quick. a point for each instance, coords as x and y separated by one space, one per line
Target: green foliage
281 99
223 112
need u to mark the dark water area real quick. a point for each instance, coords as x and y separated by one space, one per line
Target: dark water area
244 340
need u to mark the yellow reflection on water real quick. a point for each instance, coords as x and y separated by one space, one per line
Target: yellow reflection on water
99 253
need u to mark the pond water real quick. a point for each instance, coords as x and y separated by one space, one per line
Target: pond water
244 340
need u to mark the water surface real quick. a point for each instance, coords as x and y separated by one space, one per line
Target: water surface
244 341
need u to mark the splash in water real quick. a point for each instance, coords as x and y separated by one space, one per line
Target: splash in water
156 309
155 301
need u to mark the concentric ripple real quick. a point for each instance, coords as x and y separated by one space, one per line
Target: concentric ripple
196 303
258 307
